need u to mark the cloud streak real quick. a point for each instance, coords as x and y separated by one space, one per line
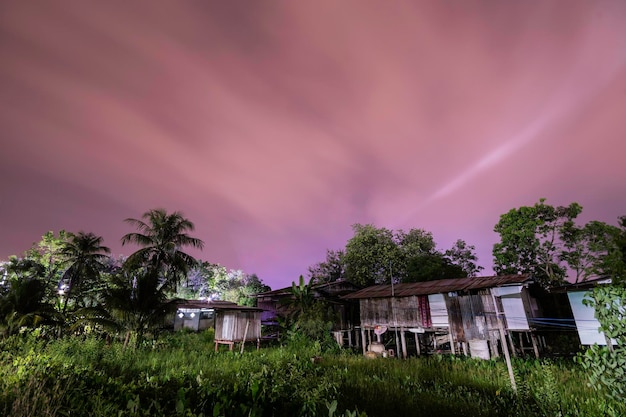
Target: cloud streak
275 126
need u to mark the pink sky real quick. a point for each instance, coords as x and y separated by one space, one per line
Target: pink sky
276 125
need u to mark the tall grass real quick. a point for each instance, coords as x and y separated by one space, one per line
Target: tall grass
182 375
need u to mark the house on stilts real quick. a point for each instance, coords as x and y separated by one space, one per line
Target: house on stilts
471 316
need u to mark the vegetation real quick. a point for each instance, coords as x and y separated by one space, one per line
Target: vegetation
607 364
182 375
378 255
69 281
68 313
544 241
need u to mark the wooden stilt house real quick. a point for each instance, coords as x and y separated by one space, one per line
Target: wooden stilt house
465 315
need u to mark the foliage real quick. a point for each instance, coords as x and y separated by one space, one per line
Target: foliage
464 256
181 375
529 241
545 241
330 270
308 319
135 301
46 253
428 267
607 365
85 257
591 250
162 237
371 256
215 282
378 255
23 304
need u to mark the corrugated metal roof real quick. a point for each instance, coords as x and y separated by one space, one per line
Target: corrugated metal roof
438 286
316 287
214 304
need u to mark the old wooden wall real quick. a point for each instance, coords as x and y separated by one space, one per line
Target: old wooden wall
230 325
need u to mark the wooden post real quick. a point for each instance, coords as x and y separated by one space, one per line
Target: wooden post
464 345
493 342
349 337
245 334
510 338
403 339
417 344
535 348
505 347
451 343
363 339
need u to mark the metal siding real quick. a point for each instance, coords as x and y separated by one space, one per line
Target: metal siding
514 312
438 310
586 323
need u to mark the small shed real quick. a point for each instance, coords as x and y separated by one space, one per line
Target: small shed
232 323
237 324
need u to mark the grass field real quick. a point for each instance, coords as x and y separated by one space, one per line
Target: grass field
181 375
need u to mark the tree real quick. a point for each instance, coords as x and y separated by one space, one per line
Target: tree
200 282
136 303
86 257
377 255
464 256
23 300
429 267
619 269
371 256
308 316
530 241
330 270
47 253
591 250
162 236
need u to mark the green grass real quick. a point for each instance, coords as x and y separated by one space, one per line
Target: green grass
182 375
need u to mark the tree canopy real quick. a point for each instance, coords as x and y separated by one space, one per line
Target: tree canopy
377 255
545 241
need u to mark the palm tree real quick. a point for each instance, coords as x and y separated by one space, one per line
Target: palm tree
162 236
86 257
132 304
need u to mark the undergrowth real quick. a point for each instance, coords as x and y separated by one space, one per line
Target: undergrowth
182 375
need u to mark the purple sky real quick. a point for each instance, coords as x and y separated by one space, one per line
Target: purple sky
276 125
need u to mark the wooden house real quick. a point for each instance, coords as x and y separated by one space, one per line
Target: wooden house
232 323
468 315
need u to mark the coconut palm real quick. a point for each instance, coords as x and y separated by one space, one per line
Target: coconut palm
132 304
162 236
86 257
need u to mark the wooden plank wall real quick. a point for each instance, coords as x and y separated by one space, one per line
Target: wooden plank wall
380 311
231 325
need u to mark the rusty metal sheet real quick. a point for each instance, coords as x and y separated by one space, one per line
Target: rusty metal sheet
442 286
